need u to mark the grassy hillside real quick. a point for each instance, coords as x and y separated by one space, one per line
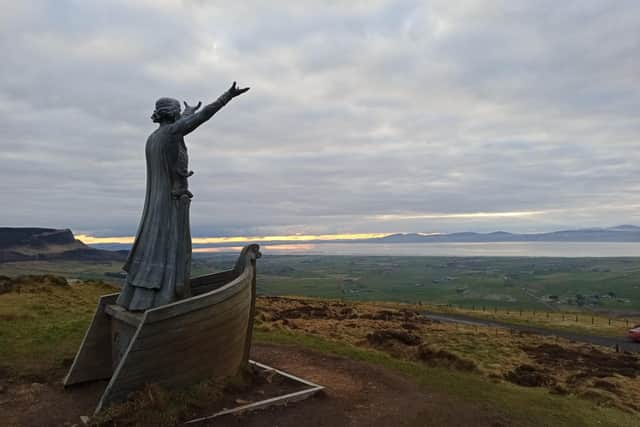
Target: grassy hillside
82 270
604 285
533 380
560 366
42 321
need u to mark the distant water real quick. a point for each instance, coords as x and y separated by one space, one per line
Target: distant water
506 249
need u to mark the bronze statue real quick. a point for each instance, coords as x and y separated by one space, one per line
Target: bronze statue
159 263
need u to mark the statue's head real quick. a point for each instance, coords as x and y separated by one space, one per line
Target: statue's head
167 110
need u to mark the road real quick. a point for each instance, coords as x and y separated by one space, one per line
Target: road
623 343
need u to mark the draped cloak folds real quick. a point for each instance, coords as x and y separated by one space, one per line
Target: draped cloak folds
159 263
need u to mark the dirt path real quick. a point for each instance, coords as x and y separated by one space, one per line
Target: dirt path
47 403
622 343
357 394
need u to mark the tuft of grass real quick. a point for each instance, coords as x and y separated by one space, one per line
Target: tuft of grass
160 407
156 406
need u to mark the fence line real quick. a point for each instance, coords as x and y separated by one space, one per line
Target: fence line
550 315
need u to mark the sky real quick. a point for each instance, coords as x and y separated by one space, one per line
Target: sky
363 116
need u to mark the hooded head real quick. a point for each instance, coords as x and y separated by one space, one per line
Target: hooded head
167 110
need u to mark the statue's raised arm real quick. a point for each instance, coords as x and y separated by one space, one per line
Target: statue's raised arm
159 263
191 119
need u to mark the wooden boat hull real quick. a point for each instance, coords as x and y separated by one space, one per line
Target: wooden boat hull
207 335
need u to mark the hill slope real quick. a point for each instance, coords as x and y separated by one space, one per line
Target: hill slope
32 243
384 364
620 233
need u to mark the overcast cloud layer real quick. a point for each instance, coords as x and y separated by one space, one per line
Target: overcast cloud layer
373 116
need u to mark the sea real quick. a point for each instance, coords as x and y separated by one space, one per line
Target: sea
492 249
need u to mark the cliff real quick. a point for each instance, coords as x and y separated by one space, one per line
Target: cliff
33 243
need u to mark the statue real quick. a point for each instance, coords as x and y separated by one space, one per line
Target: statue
159 263
165 327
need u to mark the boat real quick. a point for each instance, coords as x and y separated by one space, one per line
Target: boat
207 335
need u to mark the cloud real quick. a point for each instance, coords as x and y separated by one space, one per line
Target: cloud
417 112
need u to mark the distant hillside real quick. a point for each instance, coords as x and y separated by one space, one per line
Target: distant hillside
36 238
621 233
30 243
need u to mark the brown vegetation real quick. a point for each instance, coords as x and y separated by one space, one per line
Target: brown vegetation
31 283
563 367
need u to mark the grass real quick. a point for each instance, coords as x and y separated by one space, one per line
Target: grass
561 366
43 321
157 406
82 270
578 322
42 324
525 406
571 321
610 285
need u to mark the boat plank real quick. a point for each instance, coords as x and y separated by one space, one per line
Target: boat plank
200 301
158 337
177 342
208 288
205 317
175 370
209 358
93 359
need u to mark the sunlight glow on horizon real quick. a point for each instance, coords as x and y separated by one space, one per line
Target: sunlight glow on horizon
270 248
91 240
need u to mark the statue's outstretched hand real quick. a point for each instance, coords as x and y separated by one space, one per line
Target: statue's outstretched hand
235 90
189 110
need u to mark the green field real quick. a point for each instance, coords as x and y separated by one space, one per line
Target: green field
608 285
81 270
544 284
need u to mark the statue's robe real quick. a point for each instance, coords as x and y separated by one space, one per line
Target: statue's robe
159 263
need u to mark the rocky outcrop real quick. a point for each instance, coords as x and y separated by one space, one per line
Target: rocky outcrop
23 238
35 237
33 243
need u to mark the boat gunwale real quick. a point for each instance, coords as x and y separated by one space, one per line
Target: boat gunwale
196 302
202 282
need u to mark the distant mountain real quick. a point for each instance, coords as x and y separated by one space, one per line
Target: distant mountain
36 238
624 227
620 233
30 243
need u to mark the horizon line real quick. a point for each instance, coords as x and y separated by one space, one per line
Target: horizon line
90 240
299 237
